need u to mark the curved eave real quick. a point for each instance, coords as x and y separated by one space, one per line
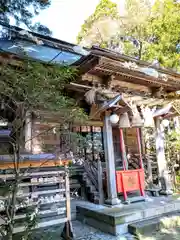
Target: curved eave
105 66
111 67
124 58
86 63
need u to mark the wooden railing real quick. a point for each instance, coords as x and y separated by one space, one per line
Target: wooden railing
92 172
35 191
149 165
95 174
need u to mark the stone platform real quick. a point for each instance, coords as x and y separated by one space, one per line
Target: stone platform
115 220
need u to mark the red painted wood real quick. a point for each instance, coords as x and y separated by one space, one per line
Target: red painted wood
122 148
130 180
139 147
141 186
123 188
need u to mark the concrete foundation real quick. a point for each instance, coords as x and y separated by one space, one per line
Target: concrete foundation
115 220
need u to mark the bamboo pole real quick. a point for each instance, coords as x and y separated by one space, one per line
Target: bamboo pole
100 183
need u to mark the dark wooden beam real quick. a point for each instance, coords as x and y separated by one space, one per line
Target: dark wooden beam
107 80
87 63
157 92
120 82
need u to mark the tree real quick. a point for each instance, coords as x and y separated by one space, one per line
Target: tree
39 28
134 28
107 28
172 149
27 87
153 35
164 29
100 25
23 11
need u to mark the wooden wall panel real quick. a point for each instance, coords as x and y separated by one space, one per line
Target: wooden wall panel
131 140
44 138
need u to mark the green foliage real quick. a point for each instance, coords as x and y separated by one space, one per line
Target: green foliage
156 30
106 27
31 222
136 26
29 86
173 140
39 86
165 28
172 150
172 147
105 9
23 11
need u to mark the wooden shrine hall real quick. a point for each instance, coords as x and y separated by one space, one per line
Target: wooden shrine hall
127 95
122 96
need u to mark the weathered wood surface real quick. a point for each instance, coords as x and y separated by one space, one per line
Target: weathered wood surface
35 163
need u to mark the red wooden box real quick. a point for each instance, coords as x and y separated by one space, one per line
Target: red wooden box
130 180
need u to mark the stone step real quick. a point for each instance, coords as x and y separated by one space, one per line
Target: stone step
95 193
74 184
115 220
154 191
92 188
88 181
154 167
148 226
95 197
135 199
85 174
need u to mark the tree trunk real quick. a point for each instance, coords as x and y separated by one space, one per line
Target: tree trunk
17 144
12 206
140 50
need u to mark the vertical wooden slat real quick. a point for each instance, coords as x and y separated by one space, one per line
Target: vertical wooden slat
68 206
123 150
100 183
139 147
68 224
92 139
161 159
102 142
28 132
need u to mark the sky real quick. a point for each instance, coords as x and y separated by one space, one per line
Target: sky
65 17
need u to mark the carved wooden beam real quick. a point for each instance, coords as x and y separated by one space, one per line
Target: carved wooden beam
119 82
157 92
138 99
107 80
91 78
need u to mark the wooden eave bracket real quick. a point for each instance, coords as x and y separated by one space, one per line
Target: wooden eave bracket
117 105
167 111
114 66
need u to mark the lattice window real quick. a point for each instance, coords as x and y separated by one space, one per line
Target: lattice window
93 137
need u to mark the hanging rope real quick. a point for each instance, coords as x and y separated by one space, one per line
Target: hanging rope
90 96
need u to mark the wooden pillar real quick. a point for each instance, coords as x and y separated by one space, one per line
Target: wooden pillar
148 160
176 122
139 147
110 163
100 183
28 132
161 159
123 150
177 129
141 132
